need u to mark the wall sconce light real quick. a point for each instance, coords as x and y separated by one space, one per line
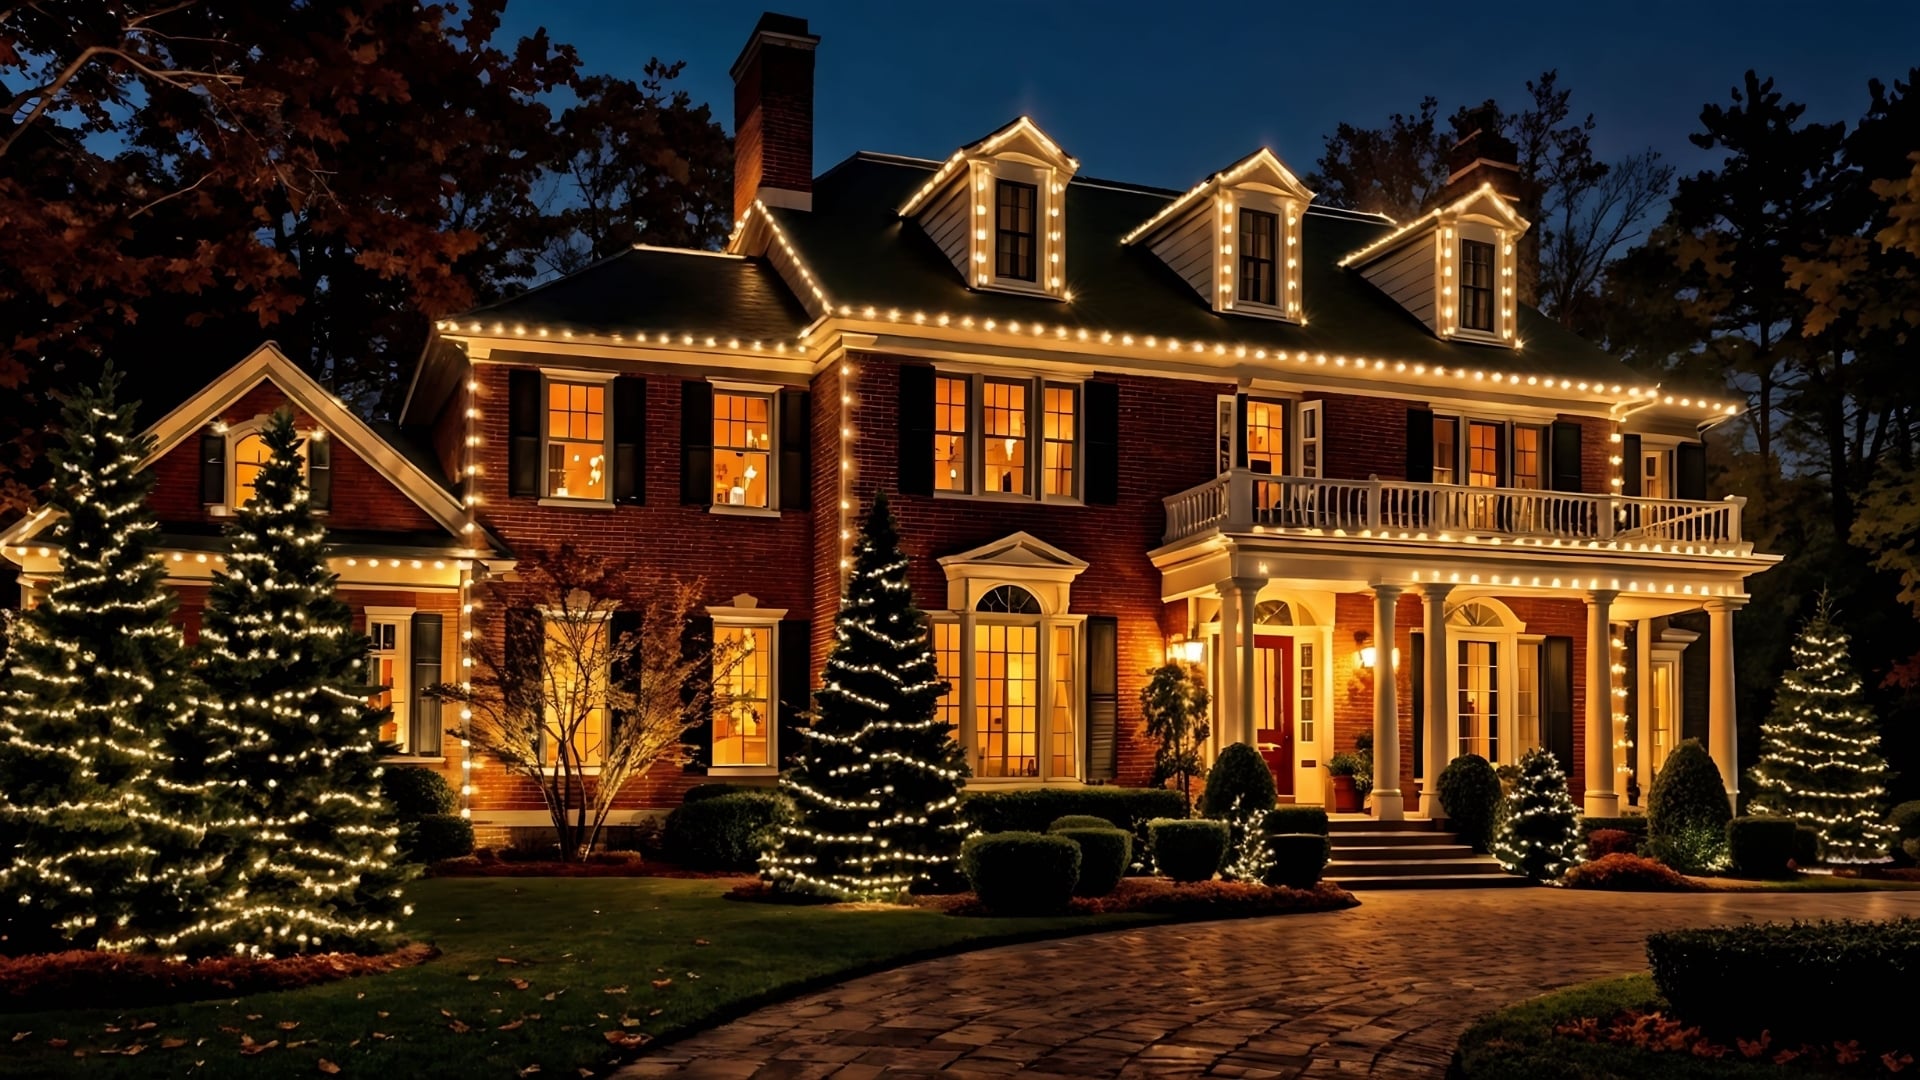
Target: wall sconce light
1190 648
1368 655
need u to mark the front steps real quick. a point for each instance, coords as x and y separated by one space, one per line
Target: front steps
1412 854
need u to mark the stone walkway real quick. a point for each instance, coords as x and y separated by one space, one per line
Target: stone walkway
1381 990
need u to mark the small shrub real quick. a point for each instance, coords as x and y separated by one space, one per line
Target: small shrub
1536 835
1627 873
1904 824
1760 847
1470 795
1635 826
1105 853
415 792
1687 811
1806 846
1079 821
1188 850
1298 859
615 858
530 845
1239 782
1604 842
703 792
1035 809
440 836
1296 819
726 832
1021 873
1820 983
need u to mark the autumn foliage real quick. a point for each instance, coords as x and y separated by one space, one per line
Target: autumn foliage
86 979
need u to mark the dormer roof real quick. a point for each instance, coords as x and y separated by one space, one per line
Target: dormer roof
1260 169
1483 200
1022 138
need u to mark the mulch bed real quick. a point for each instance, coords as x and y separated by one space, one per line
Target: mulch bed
1655 1032
1156 896
90 980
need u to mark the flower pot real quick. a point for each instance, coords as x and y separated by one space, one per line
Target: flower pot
1345 799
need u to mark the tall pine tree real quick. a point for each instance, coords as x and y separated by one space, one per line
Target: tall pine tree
1820 760
97 847
310 863
878 784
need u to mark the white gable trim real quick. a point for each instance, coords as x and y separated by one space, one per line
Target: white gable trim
1032 142
1260 167
1483 199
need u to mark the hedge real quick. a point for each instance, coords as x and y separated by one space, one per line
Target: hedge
1604 842
1637 826
725 832
1021 873
1470 794
1761 847
1904 821
1032 810
1188 850
703 792
1298 859
415 792
1821 983
441 836
1079 821
1806 846
1239 782
1104 854
1296 819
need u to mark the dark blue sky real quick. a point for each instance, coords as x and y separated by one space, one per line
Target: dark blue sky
1166 92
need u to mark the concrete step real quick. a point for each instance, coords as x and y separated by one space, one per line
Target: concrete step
1433 881
1341 868
1364 825
1388 839
1346 853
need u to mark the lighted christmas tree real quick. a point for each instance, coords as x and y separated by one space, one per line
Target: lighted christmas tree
1539 833
878 781
1820 760
310 863
96 848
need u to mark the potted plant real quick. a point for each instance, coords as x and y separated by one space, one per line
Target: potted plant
1343 767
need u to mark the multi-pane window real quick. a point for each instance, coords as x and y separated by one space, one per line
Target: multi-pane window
1663 714
1016 232
950 396
250 453
1476 285
1655 480
1006 696
946 658
576 440
576 689
1057 440
1446 455
1479 680
1526 692
384 670
743 716
1529 460
1004 435
1259 240
1308 682
1483 455
1310 438
742 448
1266 436
1060 731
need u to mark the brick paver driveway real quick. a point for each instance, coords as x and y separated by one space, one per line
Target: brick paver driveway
1383 990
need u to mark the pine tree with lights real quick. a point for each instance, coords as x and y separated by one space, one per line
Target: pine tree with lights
311 852
1539 833
878 783
1820 760
98 844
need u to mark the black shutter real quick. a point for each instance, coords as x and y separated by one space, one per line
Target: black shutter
1420 446
796 685
1631 466
630 440
1566 456
1690 471
524 655
1102 405
696 640
1556 696
423 712
916 430
320 472
696 443
1103 696
523 432
213 466
796 449
1418 651
1239 431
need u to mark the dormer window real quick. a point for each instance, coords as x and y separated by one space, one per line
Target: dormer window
1016 232
1259 236
997 209
1476 285
1235 238
1452 268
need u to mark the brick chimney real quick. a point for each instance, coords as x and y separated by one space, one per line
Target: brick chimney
773 116
1484 156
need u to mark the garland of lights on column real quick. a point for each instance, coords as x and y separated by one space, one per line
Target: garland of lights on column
1617 689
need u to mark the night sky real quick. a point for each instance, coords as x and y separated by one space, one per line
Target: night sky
1166 92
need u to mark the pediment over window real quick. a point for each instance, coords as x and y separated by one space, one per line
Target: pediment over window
1452 267
1235 237
997 209
1019 559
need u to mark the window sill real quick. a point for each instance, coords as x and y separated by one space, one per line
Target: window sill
1008 497
744 511
1255 310
577 504
1479 337
742 770
1019 287
414 759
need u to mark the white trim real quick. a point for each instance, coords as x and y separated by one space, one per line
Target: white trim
745 613
732 386
401 692
976 377
579 375
572 377
771 393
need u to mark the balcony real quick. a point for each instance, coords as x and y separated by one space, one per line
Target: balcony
1244 502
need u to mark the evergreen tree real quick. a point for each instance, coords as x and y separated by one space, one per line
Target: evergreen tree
97 847
311 851
1539 835
878 783
1820 760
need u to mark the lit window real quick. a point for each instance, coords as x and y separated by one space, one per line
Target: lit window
250 453
1259 238
576 440
1529 464
1655 481
1476 285
1058 443
1267 437
946 658
1483 455
1018 671
384 664
1060 732
1663 719
577 660
1016 232
743 712
1526 692
1445 452
742 444
1004 430
1006 699
1307 682
1479 700
950 433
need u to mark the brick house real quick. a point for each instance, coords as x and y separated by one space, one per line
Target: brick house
1333 459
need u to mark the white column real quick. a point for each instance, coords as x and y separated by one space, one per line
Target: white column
1601 800
1388 802
1227 694
1722 726
1249 590
1438 736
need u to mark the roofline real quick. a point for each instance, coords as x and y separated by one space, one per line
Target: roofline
1219 179
1431 218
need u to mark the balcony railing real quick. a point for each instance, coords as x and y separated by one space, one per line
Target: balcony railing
1242 501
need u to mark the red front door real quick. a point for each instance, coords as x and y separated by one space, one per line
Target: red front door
1273 707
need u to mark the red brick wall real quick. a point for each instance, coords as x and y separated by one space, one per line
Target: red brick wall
1363 437
1596 452
773 124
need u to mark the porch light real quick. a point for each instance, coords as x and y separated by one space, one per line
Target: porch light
1182 647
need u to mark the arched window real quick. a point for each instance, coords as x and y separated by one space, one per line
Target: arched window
1008 600
1273 613
249 454
1472 614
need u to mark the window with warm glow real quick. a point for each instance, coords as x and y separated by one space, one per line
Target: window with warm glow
946 658
742 448
1016 240
1308 681
1476 285
950 402
1655 480
1060 729
1446 454
1057 456
1526 692
1006 695
1266 436
383 673
1663 714
250 453
743 715
1259 241
1529 459
1004 436
1483 455
577 658
1479 699
576 440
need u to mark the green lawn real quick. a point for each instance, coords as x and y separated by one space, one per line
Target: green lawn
1806 883
590 951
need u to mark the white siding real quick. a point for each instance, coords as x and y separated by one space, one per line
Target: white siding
1188 247
945 220
1407 276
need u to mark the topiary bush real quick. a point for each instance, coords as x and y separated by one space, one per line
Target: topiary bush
1687 811
1761 847
415 792
1470 795
1626 873
1806 846
1904 826
1239 781
1604 842
1298 859
1033 810
1105 853
1079 821
726 832
1188 849
437 837
1296 819
1021 873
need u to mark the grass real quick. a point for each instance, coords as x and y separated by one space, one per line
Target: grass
1803 883
651 956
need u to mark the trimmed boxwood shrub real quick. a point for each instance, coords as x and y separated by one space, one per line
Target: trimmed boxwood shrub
726 832
1104 854
1296 819
1905 823
1604 842
702 792
1079 821
1470 794
1188 850
1760 847
415 792
441 836
1021 873
1821 983
1298 859
1239 775
1687 811
1806 846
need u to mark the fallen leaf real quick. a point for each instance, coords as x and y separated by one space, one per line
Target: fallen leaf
172 1043
328 1067
147 1026
585 1072
259 1047
381 1035
229 1029
505 960
662 984
298 1043
473 978
56 1043
693 974
253 1016
288 1025
518 984
616 989
655 1012
134 1049
458 1028
111 1029
446 1012
18 1035
701 941
549 996
383 1014
629 1022
531 1069
626 1040
511 1025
